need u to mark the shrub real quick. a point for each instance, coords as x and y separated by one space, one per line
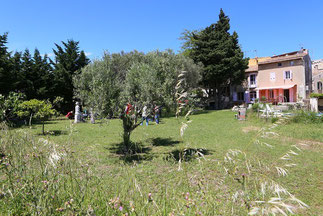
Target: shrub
274 119
306 117
9 107
316 95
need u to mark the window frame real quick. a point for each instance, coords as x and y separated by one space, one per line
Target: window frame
289 73
255 79
319 85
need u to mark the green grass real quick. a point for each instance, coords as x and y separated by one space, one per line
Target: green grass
100 180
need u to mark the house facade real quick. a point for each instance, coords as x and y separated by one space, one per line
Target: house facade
317 78
281 78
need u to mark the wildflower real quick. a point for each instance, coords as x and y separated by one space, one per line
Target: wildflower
132 207
187 195
149 197
120 208
60 209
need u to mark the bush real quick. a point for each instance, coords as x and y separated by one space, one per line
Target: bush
9 107
316 95
274 119
306 117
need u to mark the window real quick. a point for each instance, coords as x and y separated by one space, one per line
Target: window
272 76
271 93
253 79
279 64
287 75
241 96
253 95
319 86
291 63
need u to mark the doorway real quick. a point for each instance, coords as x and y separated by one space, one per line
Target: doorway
286 95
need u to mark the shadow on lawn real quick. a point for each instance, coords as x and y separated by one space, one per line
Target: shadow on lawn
54 133
163 141
137 152
188 154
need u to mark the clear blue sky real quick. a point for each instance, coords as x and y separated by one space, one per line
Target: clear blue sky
265 28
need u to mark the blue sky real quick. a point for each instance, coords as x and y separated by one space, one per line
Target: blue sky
265 28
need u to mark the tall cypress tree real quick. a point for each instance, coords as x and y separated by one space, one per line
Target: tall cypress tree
6 79
16 71
27 76
42 76
221 55
68 62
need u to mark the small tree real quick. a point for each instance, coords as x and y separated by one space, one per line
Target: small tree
9 106
36 109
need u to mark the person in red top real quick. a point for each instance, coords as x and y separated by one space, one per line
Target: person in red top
128 108
70 115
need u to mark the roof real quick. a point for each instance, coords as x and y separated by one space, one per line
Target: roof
255 62
283 58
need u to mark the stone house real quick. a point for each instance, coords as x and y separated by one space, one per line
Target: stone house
280 78
317 78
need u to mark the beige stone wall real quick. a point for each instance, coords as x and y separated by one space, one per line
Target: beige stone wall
298 76
317 78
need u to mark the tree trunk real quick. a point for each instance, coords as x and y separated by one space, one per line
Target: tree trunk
31 116
126 140
43 127
127 129
92 116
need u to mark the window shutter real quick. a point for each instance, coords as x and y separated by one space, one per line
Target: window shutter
284 75
291 75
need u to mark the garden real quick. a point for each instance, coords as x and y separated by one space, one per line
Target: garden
219 166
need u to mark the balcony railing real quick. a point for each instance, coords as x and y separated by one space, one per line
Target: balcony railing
252 85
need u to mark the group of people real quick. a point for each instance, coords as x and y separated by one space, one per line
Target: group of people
145 113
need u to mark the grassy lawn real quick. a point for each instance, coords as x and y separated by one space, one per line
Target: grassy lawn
153 182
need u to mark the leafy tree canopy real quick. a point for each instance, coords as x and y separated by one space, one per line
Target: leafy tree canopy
221 55
68 62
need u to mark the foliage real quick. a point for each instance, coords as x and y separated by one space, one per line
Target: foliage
36 108
316 95
6 78
149 78
221 55
21 72
255 107
263 99
98 86
10 106
68 62
306 117
107 85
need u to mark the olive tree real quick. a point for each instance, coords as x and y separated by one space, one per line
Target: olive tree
116 80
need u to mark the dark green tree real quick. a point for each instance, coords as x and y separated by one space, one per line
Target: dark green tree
42 76
26 75
6 79
68 62
221 55
16 70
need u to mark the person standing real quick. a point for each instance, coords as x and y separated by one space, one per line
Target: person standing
144 115
157 113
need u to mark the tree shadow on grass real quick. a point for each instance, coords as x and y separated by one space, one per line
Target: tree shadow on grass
54 133
163 141
187 154
136 153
